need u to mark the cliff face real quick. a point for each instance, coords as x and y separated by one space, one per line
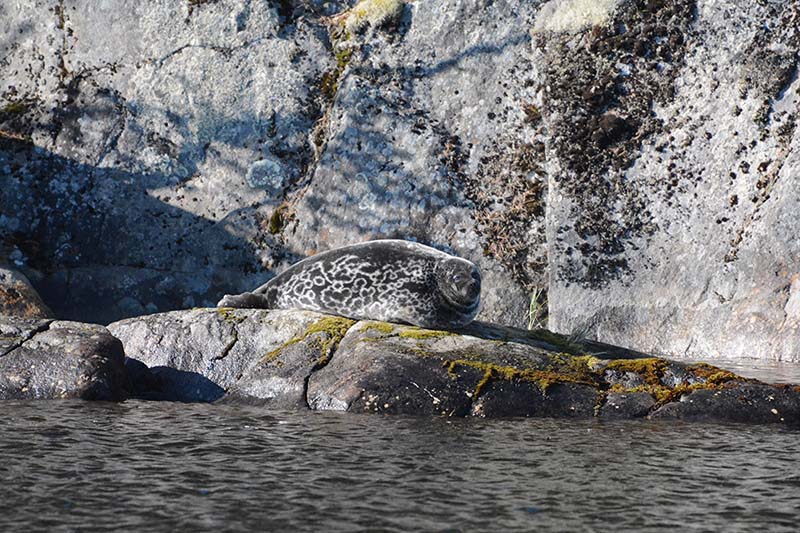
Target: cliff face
635 160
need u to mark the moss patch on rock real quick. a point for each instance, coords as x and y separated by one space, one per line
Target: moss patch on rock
327 333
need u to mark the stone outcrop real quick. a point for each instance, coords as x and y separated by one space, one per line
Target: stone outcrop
631 163
46 359
299 359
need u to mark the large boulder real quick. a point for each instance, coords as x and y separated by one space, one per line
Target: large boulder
46 359
298 359
167 153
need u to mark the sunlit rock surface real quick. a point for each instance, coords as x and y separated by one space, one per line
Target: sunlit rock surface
632 163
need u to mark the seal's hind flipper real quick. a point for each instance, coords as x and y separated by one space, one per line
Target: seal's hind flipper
246 300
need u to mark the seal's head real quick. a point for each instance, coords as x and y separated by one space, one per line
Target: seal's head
459 281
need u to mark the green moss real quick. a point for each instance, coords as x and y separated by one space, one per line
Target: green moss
423 334
15 108
329 84
543 379
381 327
278 219
650 369
712 374
343 56
332 330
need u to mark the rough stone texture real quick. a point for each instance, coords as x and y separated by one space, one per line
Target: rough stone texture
280 378
159 152
144 146
676 234
636 165
197 355
45 359
18 297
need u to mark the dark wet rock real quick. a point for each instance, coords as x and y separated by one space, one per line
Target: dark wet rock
18 297
746 402
628 405
144 383
45 359
503 398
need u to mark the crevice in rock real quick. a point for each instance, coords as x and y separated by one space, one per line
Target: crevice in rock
226 51
228 347
31 334
324 360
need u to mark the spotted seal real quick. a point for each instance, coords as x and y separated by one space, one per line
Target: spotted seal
387 280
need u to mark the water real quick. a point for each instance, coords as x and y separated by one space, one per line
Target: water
139 466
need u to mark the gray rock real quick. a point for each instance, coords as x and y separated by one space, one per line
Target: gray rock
416 143
638 166
197 355
127 135
280 378
45 359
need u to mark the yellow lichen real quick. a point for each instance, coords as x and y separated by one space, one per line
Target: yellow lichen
650 368
372 13
229 315
543 379
332 330
572 16
423 334
382 327
278 219
712 374
15 108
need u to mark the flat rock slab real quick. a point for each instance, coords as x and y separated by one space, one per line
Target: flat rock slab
45 359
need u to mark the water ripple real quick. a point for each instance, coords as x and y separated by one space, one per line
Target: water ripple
75 466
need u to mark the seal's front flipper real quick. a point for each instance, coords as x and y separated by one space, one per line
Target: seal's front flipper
247 300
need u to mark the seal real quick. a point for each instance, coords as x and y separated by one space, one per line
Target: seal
387 280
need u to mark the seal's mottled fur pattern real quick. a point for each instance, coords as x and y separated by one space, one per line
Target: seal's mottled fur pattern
388 280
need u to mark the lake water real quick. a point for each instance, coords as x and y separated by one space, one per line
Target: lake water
140 466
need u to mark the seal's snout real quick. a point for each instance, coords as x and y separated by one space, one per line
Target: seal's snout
466 283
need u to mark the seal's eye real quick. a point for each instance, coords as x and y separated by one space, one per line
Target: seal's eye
456 278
